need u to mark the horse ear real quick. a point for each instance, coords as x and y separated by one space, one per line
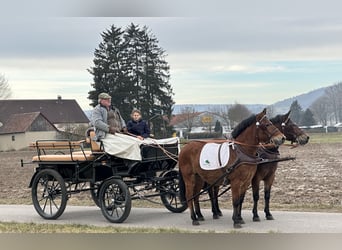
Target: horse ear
264 111
287 114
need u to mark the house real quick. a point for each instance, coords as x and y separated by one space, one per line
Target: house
60 112
21 129
23 121
197 123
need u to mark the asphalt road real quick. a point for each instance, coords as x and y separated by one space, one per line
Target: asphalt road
285 222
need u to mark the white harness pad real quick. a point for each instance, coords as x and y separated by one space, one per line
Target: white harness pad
214 156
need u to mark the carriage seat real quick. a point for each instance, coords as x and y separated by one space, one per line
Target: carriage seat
90 138
75 149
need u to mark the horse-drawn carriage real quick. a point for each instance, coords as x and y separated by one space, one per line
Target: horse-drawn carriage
65 167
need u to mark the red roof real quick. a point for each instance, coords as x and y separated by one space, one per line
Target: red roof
20 123
176 119
56 111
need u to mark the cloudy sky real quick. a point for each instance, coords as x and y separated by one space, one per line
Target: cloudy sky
222 52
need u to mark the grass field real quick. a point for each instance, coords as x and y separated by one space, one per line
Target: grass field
326 137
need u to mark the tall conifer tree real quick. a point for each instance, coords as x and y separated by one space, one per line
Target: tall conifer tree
131 67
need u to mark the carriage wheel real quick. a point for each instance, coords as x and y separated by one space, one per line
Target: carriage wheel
169 192
49 194
94 191
115 200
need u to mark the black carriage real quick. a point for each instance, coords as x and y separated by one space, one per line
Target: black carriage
66 167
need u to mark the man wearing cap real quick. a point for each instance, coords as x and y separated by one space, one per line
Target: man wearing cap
106 119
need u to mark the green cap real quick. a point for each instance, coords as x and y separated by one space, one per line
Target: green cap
104 96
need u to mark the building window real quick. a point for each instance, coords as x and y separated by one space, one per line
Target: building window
13 137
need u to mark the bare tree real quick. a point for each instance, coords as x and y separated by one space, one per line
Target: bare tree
334 97
320 109
237 113
188 115
5 90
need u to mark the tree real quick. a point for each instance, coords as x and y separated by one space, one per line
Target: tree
189 115
108 73
307 118
218 127
237 113
5 90
320 109
131 67
334 98
296 112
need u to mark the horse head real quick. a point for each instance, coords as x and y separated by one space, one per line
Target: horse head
262 129
292 132
266 131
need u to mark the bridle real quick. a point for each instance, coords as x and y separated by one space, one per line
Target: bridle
263 127
292 134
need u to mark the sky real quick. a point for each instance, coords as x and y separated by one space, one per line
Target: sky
220 52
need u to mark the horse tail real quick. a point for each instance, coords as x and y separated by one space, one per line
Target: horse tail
181 186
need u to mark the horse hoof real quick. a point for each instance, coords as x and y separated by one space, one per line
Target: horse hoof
220 214
241 221
237 225
195 223
256 218
216 216
269 217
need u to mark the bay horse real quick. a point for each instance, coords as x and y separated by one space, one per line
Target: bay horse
241 166
266 171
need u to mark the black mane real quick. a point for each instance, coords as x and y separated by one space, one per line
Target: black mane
243 125
277 119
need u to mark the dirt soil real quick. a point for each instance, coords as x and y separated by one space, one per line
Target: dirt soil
311 182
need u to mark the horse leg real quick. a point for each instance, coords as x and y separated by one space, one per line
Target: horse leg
213 194
255 188
236 200
242 198
216 191
189 191
197 189
267 205
267 191
236 211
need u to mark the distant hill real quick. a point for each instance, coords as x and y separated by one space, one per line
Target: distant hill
304 100
254 108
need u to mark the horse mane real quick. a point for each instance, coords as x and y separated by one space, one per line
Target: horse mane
242 126
277 119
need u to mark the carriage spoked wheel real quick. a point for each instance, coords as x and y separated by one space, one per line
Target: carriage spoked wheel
169 192
49 194
115 200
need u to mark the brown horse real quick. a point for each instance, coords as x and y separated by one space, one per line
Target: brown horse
240 168
266 171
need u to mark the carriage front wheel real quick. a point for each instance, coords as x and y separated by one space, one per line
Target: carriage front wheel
49 194
115 200
169 192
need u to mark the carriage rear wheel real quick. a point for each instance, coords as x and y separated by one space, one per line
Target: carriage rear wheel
169 192
115 200
49 194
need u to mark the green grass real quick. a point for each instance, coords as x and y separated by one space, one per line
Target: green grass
14 227
335 137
